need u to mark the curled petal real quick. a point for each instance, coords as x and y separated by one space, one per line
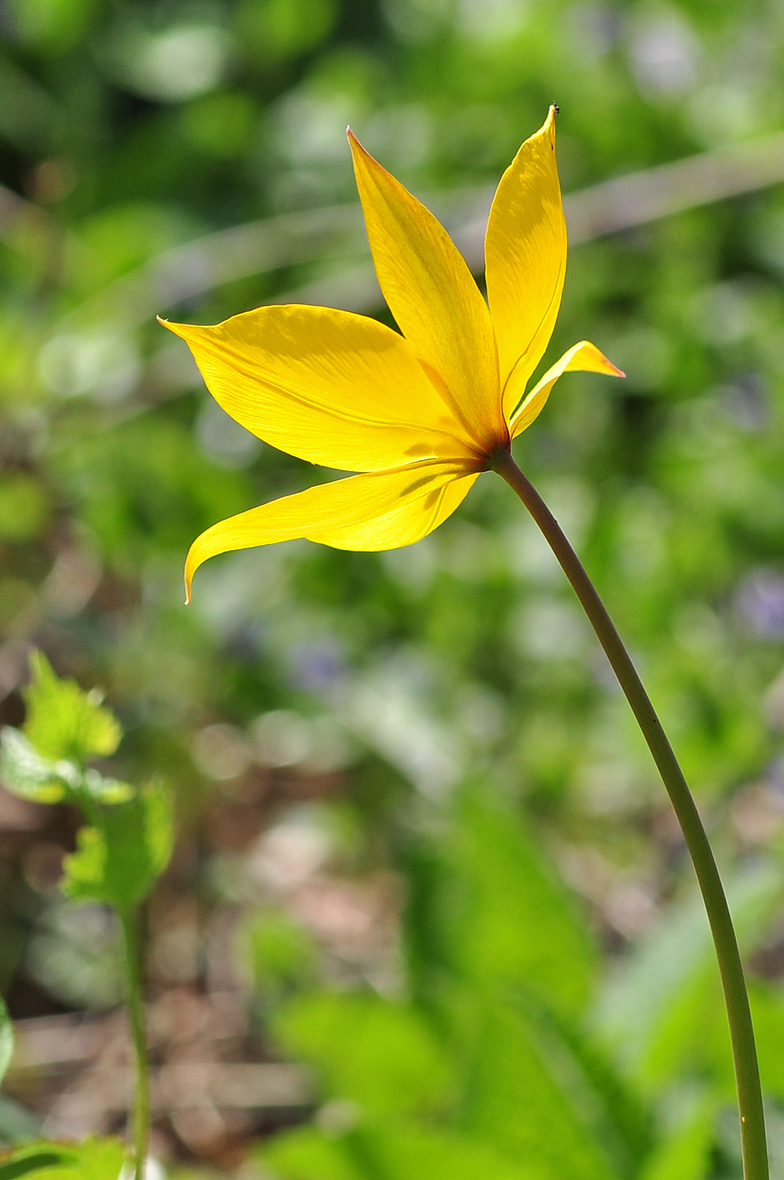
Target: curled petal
328 386
582 356
434 299
376 510
525 255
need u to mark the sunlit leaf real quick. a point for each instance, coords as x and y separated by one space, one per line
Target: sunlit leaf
521 1076
25 772
489 908
119 861
378 1054
6 1039
95 1159
106 790
684 1153
307 1153
400 1152
36 1161
65 722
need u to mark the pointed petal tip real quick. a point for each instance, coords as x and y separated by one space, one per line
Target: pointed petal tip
187 332
171 326
548 127
594 360
357 150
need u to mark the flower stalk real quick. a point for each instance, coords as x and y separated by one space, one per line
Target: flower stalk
752 1118
141 1112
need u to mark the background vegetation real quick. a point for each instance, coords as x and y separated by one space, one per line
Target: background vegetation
419 835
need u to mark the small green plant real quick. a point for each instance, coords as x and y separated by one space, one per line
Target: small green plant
121 851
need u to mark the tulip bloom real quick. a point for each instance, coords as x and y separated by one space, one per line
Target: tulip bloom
418 414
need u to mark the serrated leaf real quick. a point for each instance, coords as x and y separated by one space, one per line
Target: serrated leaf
25 772
65 722
95 1159
106 790
119 861
84 871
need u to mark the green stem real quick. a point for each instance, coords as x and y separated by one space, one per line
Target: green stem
133 976
752 1119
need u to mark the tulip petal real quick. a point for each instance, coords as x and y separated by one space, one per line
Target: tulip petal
376 510
327 386
525 256
434 299
582 356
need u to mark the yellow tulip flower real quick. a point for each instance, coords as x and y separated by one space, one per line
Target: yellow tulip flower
418 414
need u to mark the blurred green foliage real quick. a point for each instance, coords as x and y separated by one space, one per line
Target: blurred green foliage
92 1160
121 851
131 136
118 861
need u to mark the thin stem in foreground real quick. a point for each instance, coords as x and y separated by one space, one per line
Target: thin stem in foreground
752 1119
133 975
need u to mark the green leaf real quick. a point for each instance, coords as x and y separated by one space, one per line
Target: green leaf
34 1162
65 722
528 1094
106 790
399 1152
410 1153
490 910
378 1054
308 1154
119 861
685 1153
25 772
6 1039
95 1159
